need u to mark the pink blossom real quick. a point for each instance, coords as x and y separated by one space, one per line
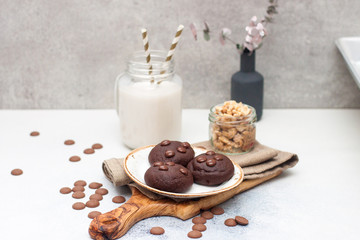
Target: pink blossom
193 30
225 32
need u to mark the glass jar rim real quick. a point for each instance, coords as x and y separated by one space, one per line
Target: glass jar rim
233 120
157 69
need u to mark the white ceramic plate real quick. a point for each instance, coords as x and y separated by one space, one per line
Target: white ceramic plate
136 163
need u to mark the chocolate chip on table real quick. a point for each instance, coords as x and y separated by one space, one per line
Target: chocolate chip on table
89 151
16 172
78 206
34 133
163 168
181 149
199 227
170 163
169 153
118 199
207 215
97 146
211 162
241 221
217 210
95 185
230 222
184 171
69 142
92 203
102 191
96 196
78 188
165 143
197 220
78 195
157 230
80 183
194 234
94 214
65 190
201 159
74 159
210 153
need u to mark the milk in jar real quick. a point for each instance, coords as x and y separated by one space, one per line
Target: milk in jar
149 105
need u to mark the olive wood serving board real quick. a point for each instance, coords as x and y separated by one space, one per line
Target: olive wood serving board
116 223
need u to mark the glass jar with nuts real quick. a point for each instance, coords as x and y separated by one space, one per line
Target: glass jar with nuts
232 127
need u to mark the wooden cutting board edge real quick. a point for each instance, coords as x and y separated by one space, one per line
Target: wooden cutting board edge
116 223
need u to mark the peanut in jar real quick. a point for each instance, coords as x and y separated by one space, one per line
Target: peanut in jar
232 127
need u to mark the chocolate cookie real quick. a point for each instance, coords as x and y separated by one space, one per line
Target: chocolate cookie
211 169
172 151
168 177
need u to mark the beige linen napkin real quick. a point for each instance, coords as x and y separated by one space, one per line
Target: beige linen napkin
260 162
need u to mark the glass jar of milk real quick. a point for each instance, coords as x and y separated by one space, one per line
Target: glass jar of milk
148 100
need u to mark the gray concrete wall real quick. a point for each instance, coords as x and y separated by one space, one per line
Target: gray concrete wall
66 54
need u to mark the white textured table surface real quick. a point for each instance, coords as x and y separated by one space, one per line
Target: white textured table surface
318 199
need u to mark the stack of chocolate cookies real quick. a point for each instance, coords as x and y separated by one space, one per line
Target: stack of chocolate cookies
174 167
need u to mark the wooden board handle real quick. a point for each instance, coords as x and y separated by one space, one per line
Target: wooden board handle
116 223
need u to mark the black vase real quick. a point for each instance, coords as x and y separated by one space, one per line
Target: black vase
247 85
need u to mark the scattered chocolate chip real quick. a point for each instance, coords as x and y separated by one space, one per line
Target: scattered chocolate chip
78 206
156 164
97 146
181 149
211 162
118 199
210 153
184 171
78 188
197 220
163 168
241 221
74 159
170 163
78 195
34 134
157 230
92 203
165 143
199 227
218 158
169 153
65 190
185 144
217 210
94 214
207 215
96 196
230 222
89 151
80 183
95 185
194 234
102 191
16 172
69 142
201 159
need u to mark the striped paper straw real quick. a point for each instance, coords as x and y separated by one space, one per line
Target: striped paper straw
173 45
147 51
